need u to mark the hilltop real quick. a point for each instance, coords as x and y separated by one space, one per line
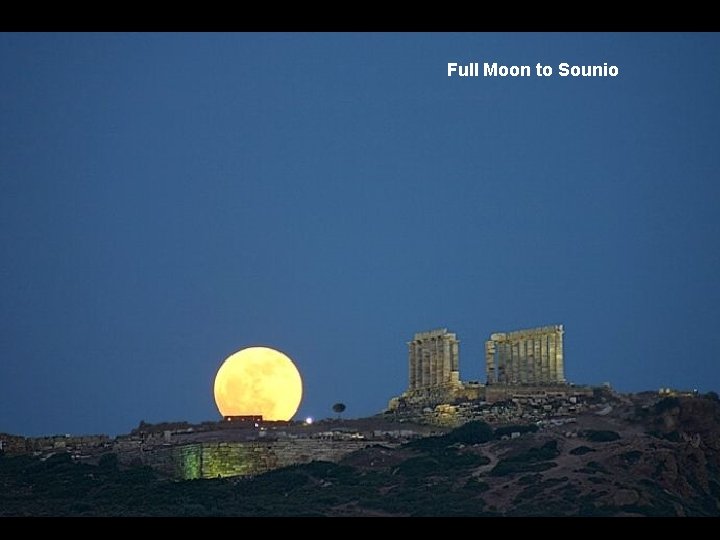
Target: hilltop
639 456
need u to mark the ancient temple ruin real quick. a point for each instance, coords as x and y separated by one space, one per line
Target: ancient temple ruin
524 364
526 357
433 360
434 372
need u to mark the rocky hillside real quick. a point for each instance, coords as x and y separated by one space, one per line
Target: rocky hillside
639 456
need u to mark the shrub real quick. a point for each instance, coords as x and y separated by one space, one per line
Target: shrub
475 432
581 450
428 444
599 435
529 461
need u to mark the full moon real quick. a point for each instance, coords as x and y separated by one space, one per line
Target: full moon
258 381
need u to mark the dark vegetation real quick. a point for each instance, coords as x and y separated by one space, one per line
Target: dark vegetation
435 479
598 435
450 475
467 434
581 451
535 459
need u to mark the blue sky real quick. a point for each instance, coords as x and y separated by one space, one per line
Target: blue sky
168 199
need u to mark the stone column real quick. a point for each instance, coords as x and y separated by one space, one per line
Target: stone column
417 356
411 366
430 363
559 354
552 354
414 365
514 362
433 361
440 360
539 373
504 363
447 361
456 356
545 358
530 352
455 362
536 368
425 368
508 362
529 367
418 368
490 362
519 362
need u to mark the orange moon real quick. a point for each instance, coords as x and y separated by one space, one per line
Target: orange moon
258 381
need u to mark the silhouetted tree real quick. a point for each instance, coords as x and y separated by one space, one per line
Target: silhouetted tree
339 408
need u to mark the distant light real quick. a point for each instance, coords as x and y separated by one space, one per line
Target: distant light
309 420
